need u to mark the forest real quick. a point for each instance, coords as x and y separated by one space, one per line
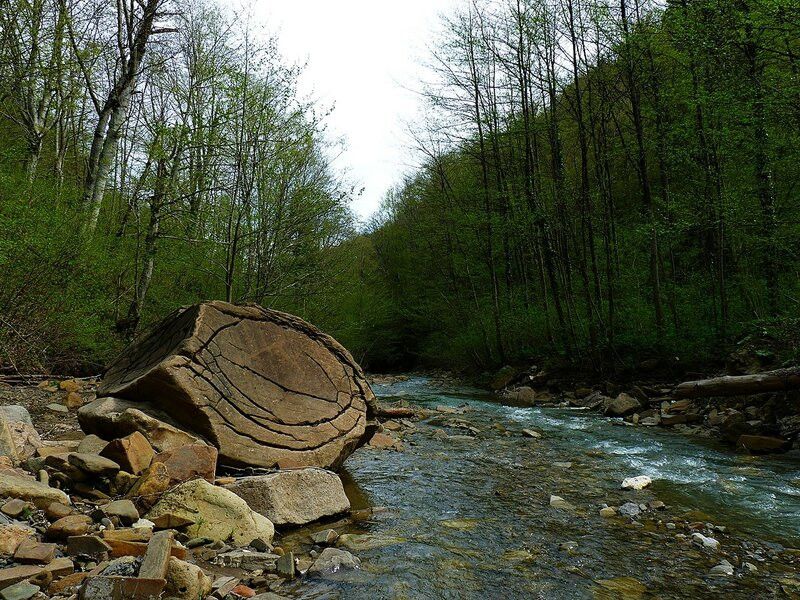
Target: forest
600 182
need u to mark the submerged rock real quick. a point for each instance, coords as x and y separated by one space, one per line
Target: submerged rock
332 560
266 387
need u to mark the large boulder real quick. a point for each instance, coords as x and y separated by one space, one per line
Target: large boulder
215 513
622 406
293 497
264 387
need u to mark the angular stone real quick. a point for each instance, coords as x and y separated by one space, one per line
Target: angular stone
25 488
266 386
332 560
11 536
218 513
156 557
13 575
59 408
93 464
15 507
66 584
60 567
170 521
285 566
133 453
73 525
124 510
147 491
190 462
87 545
294 497
622 406
127 548
103 587
136 534
326 537
91 444
32 552
20 591
112 417
636 483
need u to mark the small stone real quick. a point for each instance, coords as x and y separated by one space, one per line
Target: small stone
72 525
20 591
59 408
73 400
671 526
185 580
636 483
723 569
285 566
706 542
15 507
607 512
569 547
243 591
750 567
656 505
93 464
260 545
332 560
124 510
13 575
147 491
133 453
56 510
171 521
326 537
32 552
531 433
223 586
87 545
66 584
60 567
190 462
11 536
70 385
91 444
629 509
559 503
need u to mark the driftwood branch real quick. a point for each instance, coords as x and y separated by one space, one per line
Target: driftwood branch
770 381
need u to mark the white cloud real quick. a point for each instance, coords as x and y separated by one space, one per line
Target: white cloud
365 56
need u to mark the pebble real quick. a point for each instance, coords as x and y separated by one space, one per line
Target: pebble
707 542
608 512
59 408
724 568
629 509
636 483
560 503
568 547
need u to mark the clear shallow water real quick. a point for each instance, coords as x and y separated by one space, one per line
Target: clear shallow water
470 518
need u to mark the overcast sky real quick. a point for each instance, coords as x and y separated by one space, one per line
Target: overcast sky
362 55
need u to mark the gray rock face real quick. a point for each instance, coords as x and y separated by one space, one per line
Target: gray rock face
293 497
332 560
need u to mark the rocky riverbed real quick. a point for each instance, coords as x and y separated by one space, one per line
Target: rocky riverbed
459 495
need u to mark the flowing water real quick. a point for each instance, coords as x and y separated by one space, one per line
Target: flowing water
470 517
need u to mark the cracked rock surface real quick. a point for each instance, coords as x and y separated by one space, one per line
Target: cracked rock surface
264 387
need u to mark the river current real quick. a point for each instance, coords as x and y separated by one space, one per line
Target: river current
468 515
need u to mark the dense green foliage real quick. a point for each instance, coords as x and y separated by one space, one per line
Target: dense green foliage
600 182
603 181
218 182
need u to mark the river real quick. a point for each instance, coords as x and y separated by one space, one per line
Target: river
469 516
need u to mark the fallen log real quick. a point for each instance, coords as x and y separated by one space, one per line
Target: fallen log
771 381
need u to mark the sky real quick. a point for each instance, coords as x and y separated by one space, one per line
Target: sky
366 57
